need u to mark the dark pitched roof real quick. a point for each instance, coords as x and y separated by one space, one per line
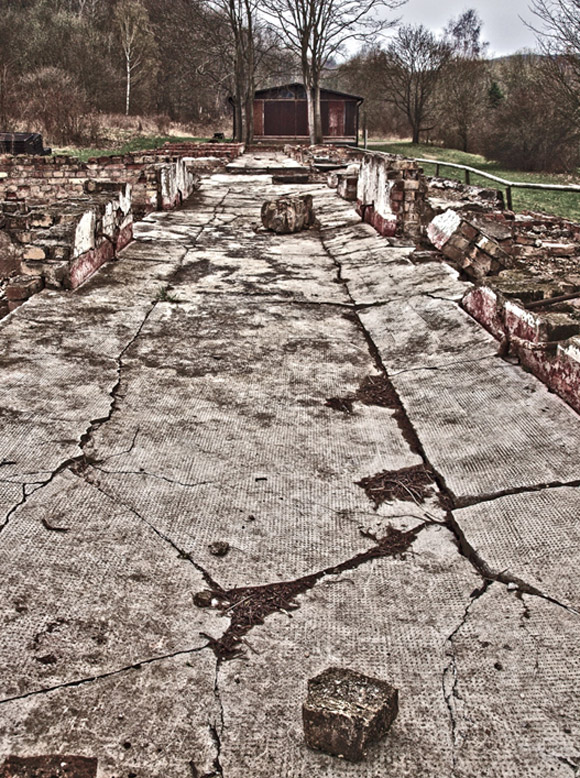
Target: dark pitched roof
297 91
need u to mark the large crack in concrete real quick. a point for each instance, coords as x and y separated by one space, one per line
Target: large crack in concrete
93 426
410 434
81 460
449 677
101 676
248 607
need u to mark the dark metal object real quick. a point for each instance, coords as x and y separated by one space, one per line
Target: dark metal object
552 301
22 143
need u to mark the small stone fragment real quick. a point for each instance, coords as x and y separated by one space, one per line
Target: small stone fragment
219 548
203 599
346 712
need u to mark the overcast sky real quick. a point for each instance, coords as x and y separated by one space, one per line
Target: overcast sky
502 26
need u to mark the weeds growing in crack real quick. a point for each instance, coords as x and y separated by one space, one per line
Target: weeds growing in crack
164 296
446 498
248 607
410 484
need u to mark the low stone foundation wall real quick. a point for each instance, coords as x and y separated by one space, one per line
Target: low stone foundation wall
61 245
157 182
391 193
61 219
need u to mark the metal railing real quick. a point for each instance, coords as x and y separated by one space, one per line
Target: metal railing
509 185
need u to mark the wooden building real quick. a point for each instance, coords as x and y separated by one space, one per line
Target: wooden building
281 115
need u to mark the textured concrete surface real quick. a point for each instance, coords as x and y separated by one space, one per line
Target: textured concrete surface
178 399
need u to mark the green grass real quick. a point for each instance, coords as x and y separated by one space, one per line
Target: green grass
565 204
142 143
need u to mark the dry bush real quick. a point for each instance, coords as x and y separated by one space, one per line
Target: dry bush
532 128
50 100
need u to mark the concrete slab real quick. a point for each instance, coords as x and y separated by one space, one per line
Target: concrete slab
413 333
179 399
151 720
534 537
264 162
488 427
390 619
280 527
511 682
89 589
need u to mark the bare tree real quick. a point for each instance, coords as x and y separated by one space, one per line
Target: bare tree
244 23
465 81
316 30
464 35
414 64
137 42
558 33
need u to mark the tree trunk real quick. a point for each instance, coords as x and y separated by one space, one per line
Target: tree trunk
318 137
128 90
249 134
311 120
416 134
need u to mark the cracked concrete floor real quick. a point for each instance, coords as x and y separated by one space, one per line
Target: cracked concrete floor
138 428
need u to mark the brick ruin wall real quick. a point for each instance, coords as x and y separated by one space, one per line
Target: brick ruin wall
61 219
520 265
158 177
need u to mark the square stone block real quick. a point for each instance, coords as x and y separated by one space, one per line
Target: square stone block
345 712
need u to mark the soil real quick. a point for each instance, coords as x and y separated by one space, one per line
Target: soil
51 766
411 484
248 607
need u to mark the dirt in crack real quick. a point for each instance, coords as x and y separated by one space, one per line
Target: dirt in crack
248 607
379 391
410 484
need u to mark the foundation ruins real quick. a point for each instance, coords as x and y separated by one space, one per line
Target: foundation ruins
525 268
61 219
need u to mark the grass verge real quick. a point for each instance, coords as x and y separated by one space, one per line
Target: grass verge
142 143
565 204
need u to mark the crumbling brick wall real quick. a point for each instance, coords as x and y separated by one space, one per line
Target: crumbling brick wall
391 193
545 342
61 245
61 219
160 178
157 183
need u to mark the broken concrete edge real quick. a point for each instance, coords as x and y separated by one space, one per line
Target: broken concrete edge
544 343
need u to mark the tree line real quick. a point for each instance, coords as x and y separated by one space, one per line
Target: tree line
522 110
65 62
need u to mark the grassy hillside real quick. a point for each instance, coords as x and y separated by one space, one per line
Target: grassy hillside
566 204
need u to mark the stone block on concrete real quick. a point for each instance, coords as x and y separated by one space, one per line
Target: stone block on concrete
346 712
288 214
